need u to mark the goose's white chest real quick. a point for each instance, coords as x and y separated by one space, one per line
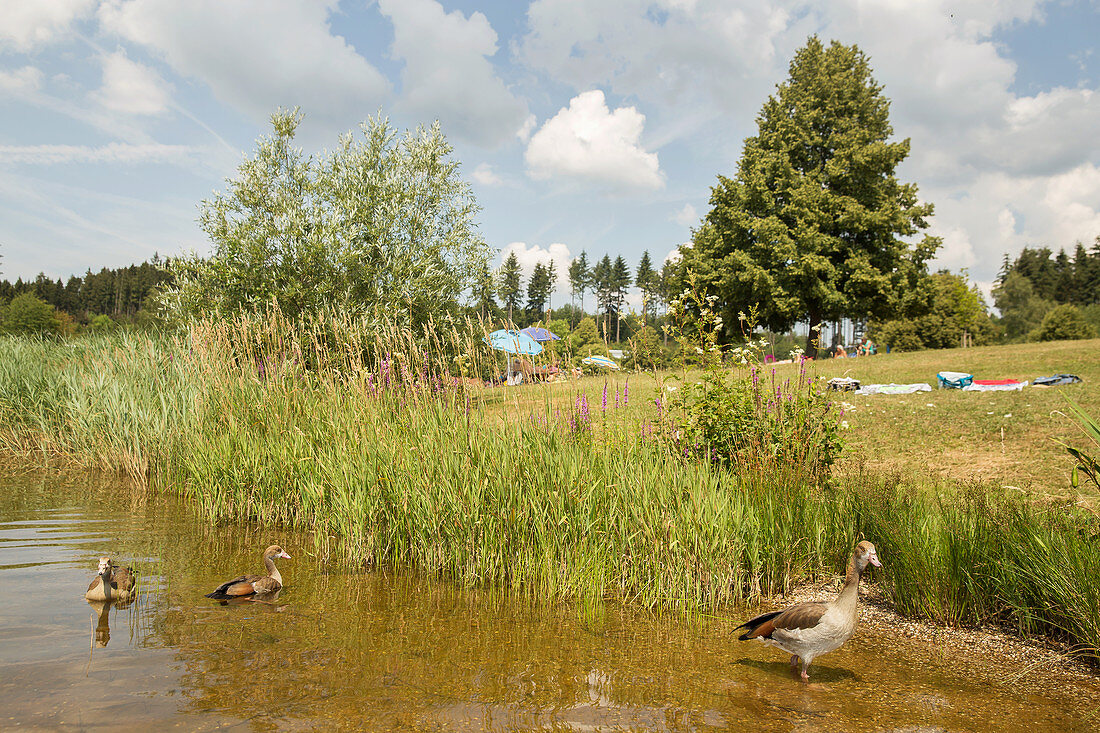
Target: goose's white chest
835 627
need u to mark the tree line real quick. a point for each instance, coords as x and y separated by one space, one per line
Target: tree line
117 294
1041 294
608 280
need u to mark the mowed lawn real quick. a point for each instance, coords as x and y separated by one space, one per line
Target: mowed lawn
1005 438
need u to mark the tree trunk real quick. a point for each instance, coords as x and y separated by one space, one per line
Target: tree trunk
814 333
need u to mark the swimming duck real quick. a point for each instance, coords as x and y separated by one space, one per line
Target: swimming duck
810 629
251 585
111 583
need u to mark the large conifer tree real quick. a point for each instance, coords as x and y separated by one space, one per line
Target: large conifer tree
814 225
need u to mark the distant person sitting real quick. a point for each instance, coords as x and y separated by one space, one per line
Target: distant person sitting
861 350
840 352
871 348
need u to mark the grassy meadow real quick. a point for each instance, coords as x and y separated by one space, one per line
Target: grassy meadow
1005 439
367 439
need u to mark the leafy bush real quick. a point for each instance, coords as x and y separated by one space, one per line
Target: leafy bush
746 419
1062 323
586 338
646 348
26 315
898 335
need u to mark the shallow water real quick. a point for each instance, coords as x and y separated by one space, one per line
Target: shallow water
341 649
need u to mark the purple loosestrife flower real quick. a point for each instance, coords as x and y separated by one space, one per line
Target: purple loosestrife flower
626 392
603 406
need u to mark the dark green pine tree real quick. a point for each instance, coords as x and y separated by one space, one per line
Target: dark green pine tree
538 290
603 285
483 291
647 280
815 226
580 276
620 283
510 283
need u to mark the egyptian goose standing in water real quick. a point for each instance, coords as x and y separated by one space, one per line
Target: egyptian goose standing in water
252 585
811 629
111 583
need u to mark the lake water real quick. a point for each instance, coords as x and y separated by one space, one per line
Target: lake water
342 649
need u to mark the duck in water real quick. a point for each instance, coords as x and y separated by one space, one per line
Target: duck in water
810 629
112 583
253 585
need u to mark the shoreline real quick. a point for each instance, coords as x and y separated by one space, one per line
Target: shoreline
1039 662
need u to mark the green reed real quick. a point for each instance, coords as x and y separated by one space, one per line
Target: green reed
107 402
376 440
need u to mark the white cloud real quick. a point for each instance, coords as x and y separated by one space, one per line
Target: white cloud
524 132
686 216
256 55
25 24
448 75
110 153
486 176
529 256
1002 213
675 254
20 82
590 142
131 88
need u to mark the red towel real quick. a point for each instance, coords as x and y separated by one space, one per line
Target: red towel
992 382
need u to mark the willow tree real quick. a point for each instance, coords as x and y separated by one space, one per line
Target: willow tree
815 226
382 224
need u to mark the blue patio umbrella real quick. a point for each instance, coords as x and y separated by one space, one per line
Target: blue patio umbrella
541 334
513 342
598 360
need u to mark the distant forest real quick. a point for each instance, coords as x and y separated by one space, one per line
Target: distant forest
120 293
1041 294
1058 278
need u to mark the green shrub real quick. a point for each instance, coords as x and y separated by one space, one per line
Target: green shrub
744 419
1063 323
646 349
898 335
26 315
586 339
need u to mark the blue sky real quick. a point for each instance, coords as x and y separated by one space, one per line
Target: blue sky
581 124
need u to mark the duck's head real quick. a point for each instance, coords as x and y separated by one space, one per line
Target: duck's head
275 551
864 554
104 565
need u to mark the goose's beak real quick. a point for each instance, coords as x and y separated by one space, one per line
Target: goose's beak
875 561
283 554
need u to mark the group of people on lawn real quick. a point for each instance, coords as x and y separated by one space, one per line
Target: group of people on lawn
866 347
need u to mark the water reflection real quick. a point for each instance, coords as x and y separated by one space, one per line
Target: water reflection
340 649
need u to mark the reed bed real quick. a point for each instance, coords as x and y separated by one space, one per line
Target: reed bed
378 441
105 402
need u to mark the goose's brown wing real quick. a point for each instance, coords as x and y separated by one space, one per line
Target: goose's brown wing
242 586
123 579
266 585
95 583
802 616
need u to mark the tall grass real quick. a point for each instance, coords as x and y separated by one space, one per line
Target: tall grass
374 441
107 402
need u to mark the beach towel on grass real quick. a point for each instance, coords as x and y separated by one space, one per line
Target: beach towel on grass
1056 381
954 380
995 385
894 388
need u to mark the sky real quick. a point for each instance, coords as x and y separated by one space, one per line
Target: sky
594 125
